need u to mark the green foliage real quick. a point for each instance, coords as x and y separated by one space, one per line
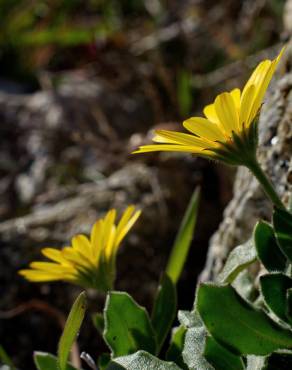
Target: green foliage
5 359
267 248
220 357
127 326
274 289
71 330
46 361
183 240
237 324
104 360
282 221
174 352
164 310
98 322
203 352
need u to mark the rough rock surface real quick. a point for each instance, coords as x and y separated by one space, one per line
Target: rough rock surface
249 203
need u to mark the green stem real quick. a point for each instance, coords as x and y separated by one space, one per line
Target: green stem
268 187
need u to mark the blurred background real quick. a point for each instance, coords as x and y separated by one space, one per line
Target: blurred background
82 84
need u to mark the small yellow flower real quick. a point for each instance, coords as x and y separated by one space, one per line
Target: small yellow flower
89 262
228 132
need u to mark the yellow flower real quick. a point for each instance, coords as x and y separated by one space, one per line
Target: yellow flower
89 262
228 132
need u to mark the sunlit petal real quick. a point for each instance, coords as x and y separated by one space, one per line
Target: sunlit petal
204 128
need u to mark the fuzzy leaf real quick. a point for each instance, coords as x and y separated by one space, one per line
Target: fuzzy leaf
256 362
239 259
141 360
237 324
164 310
127 325
71 329
194 346
267 248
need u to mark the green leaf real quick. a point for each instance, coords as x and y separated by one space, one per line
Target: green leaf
267 248
237 324
98 322
204 353
46 361
238 260
71 329
164 310
103 361
274 290
183 240
220 357
127 325
174 352
5 359
141 360
282 221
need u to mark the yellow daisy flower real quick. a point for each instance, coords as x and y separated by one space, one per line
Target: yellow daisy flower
228 132
89 262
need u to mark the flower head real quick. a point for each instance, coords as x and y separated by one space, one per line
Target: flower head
228 132
89 262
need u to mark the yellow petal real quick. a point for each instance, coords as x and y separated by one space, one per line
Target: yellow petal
54 255
185 139
77 259
256 75
108 224
226 112
81 244
210 113
124 226
235 93
172 148
204 128
263 84
246 106
51 267
109 246
96 240
38 276
125 218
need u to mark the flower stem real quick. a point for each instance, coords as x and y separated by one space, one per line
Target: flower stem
257 171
